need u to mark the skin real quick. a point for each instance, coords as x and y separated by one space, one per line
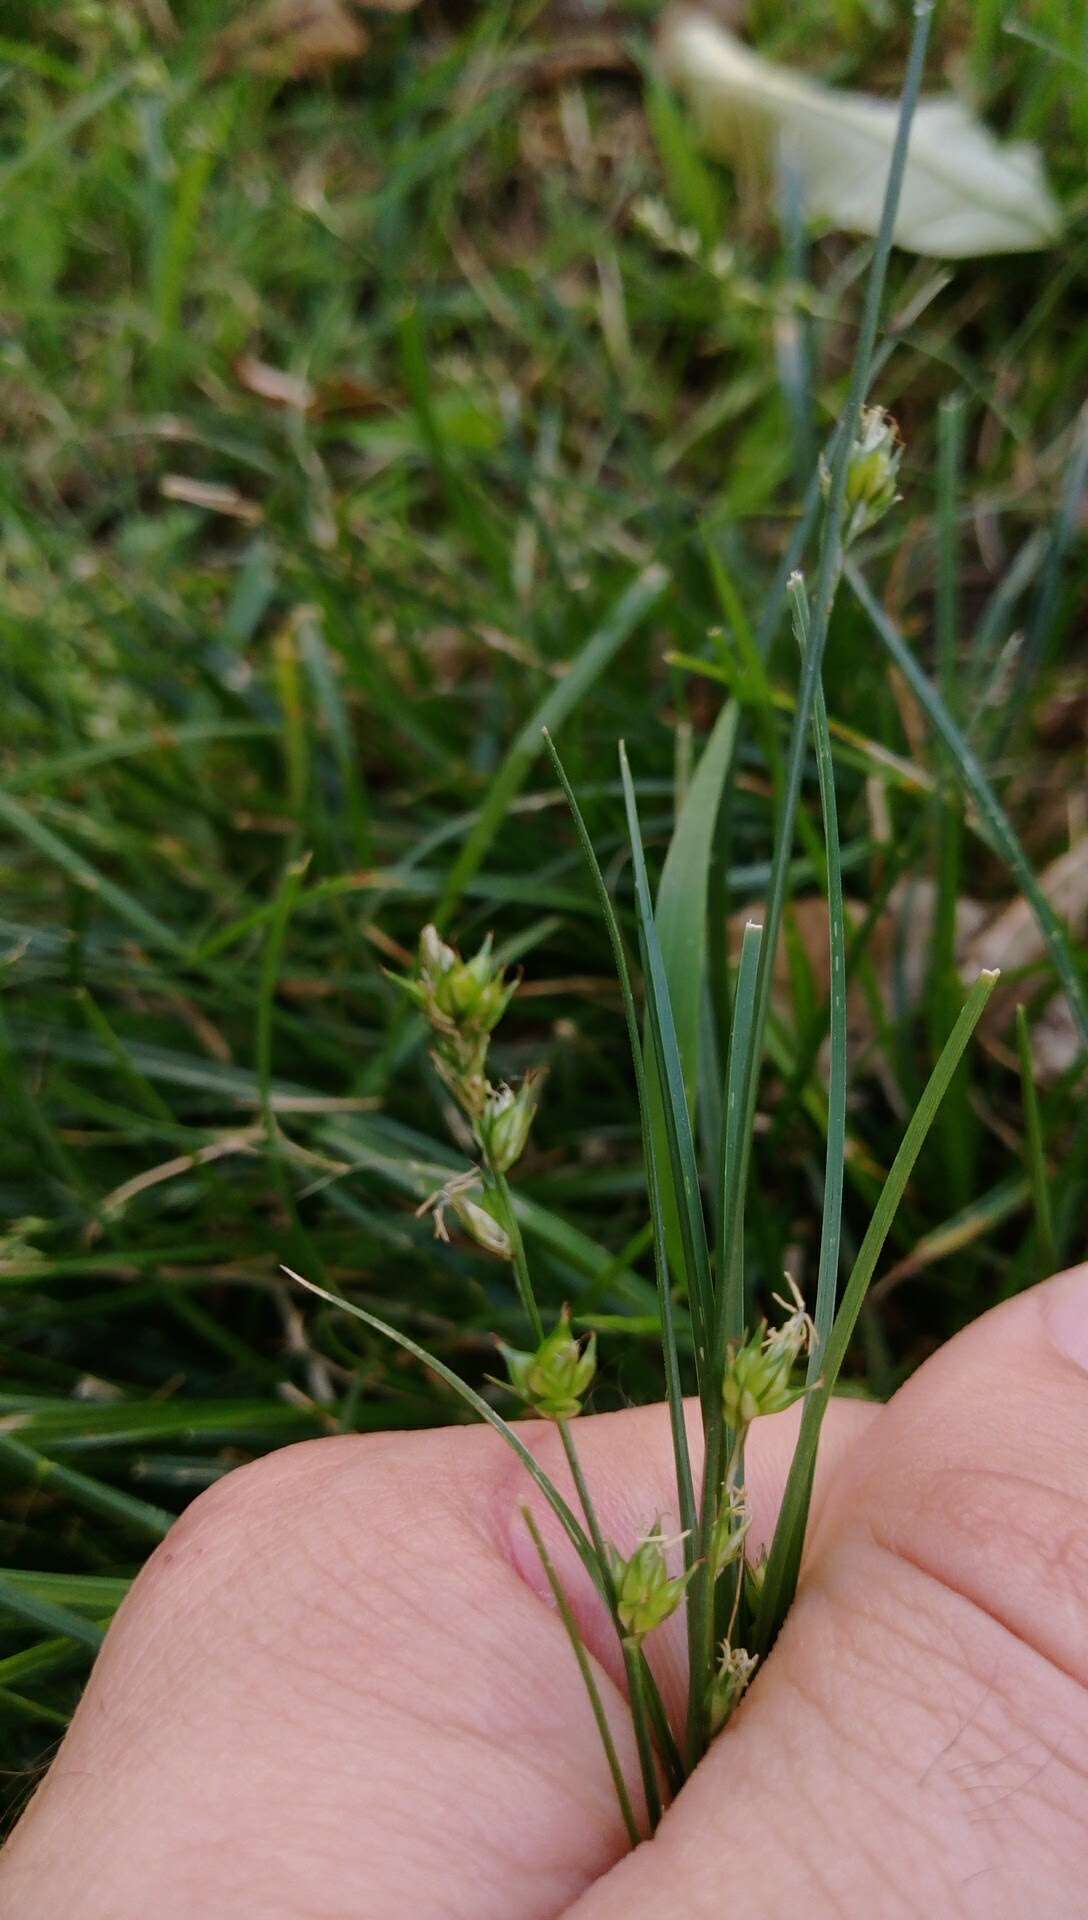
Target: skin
339 1690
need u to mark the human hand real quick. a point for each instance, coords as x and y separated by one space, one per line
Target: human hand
339 1690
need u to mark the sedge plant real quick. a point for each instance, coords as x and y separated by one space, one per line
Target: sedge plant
748 1364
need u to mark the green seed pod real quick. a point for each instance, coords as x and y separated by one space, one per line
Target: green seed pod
461 1000
504 1124
480 1225
457 995
759 1373
469 993
554 1380
756 1382
871 474
646 1594
730 1683
730 1530
755 1574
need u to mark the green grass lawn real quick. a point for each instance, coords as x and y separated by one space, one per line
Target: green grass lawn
350 426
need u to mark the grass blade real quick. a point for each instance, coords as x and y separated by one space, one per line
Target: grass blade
681 1144
587 1553
87 877
18 1705
585 1669
830 558
45 1613
585 670
563 1513
685 1488
736 1144
1035 1150
681 920
680 915
25 1463
785 1559
728 1324
1045 602
999 829
685 1485
647 1706
831 1231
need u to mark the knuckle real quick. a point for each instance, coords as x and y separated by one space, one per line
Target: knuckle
258 1521
316 1526
931 1722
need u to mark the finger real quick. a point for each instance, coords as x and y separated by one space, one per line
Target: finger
629 1467
919 1738
337 1691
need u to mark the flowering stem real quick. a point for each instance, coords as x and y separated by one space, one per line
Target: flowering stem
636 1678
566 1614
517 1249
645 1698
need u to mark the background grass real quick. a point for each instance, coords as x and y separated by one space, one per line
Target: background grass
271 678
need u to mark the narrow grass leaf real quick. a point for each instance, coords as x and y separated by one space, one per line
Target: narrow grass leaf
584 671
831 1229
563 1513
695 1271
785 1559
86 1593
684 1481
681 920
729 1323
61 767
51 1656
736 1144
585 1668
1035 1150
830 555
87 877
680 914
647 1707
969 771
45 1613
985 1213
18 1706
1041 618
24 1463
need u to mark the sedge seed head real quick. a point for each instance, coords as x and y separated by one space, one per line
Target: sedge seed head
646 1593
872 472
554 1379
730 1683
505 1120
759 1371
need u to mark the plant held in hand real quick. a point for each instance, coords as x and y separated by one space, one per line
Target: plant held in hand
698 1158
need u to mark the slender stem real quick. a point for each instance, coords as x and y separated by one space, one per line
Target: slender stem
969 771
636 1686
586 1502
829 569
729 1324
1035 1150
566 1614
685 1488
780 1580
830 557
731 1479
526 1293
568 1520
834 1163
647 1699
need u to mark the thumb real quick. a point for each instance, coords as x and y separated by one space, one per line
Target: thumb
919 1739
